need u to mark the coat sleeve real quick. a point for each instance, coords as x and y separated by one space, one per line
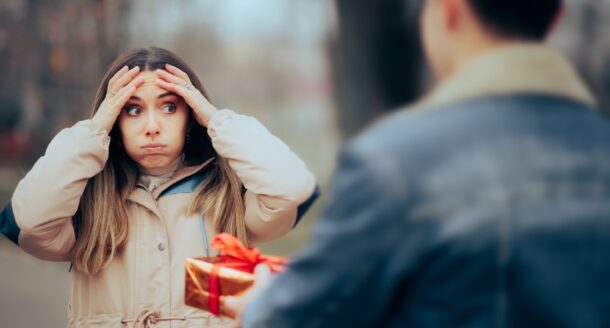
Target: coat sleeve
342 278
279 187
45 200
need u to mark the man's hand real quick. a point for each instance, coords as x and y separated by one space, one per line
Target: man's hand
237 304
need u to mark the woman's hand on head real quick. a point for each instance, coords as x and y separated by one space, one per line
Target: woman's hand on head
174 80
120 88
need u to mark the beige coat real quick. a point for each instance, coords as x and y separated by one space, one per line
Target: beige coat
148 276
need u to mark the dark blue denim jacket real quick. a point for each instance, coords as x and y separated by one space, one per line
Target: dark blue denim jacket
493 212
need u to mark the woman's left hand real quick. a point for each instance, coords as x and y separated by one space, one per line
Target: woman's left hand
174 80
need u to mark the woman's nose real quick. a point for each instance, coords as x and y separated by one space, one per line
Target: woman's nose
152 124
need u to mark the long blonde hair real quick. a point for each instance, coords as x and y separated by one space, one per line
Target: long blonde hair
102 224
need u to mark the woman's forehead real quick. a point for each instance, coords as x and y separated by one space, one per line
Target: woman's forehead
149 88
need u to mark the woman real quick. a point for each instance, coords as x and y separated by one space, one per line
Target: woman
156 173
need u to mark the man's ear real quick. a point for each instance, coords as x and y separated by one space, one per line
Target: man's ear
558 18
451 13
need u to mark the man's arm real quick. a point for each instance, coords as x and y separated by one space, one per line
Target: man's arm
344 276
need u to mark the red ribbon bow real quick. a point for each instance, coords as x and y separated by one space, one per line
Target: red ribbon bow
236 256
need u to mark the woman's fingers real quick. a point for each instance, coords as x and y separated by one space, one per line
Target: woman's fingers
125 93
110 108
166 85
176 71
135 82
178 82
121 98
201 107
117 75
165 75
123 80
182 89
178 85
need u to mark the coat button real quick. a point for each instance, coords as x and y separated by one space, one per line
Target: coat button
161 246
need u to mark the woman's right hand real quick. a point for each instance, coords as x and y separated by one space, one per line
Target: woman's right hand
120 88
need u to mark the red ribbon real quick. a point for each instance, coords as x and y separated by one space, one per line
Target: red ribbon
214 296
235 255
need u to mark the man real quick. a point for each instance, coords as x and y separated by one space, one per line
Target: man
488 205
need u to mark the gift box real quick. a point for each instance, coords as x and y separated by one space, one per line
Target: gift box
210 279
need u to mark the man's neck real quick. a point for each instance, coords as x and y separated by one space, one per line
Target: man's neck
473 48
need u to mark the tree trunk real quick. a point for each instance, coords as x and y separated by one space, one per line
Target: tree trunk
377 60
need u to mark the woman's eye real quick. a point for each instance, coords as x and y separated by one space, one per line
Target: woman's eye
133 110
169 108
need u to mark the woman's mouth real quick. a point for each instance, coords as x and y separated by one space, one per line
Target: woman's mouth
153 148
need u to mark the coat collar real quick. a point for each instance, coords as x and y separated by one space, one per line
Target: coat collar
143 197
182 173
510 69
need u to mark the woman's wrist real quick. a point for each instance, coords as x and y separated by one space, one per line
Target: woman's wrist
205 114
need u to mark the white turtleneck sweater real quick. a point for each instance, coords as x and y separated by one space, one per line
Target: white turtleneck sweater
153 178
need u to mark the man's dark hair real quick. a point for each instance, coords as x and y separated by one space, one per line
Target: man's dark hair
524 19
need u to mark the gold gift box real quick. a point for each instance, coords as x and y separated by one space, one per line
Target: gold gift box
210 279
231 282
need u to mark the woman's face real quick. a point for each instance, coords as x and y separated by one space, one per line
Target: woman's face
153 125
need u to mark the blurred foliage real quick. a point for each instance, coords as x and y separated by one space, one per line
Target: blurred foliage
48 51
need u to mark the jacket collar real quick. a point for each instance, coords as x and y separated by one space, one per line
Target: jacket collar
510 69
180 174
143 197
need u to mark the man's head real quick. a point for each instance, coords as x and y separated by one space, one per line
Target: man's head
454 31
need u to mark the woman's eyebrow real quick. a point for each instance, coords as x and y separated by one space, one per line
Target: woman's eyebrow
167 94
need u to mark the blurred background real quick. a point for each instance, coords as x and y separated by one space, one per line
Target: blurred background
313 71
